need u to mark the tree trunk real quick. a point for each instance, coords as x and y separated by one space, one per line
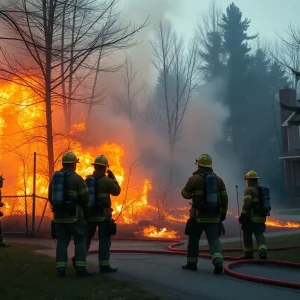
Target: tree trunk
94 86
48 26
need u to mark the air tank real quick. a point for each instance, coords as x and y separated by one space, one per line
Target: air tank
57 188
266 200
211 192
91 184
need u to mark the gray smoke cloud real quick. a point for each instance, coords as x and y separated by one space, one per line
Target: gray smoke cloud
202 126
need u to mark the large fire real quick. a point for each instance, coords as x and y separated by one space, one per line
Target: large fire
22 119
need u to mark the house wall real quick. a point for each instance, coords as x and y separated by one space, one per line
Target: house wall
290 137
293 138
288 97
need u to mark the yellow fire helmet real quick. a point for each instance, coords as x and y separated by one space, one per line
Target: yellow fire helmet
101 160
251 175
204 160
69 158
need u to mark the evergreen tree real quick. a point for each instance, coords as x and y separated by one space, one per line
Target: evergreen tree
211 49
235 43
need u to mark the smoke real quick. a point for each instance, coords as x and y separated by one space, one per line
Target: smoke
201 129
137 11
202 126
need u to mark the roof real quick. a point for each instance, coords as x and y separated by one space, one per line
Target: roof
294 118
286 122
292 154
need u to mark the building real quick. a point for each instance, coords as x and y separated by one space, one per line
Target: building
290 155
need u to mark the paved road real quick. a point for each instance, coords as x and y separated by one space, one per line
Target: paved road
161 274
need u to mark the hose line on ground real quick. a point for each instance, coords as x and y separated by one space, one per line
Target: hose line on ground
235 261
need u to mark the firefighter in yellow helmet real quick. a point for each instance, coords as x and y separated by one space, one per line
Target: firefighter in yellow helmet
253 216
2 242
101 187
209 207
69 198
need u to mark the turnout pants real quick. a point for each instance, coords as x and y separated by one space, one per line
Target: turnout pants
212 234
64 232
258 230
104 241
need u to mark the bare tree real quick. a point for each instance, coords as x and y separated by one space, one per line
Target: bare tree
287 53
127 101
150 111
34 29
177 78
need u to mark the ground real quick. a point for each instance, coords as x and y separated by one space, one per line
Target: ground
161 274
28 275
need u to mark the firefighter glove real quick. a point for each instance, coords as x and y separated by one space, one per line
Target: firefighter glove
1 214
221 229
110 174
223 217
243 218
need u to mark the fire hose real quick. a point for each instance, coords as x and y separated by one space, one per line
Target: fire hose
235 261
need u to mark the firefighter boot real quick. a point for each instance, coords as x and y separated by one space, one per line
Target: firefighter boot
191 267
218 268
83 273
107 269
60 272
3 244
263 255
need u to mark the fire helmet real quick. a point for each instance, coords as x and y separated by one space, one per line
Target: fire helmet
101 160
204 160
251 175
69 158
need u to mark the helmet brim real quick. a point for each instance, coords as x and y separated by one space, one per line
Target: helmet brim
205 166
68 162
95 164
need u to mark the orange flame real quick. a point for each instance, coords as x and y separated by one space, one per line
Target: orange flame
154 232
282 224
22 117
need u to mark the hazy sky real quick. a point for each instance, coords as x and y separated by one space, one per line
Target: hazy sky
267 16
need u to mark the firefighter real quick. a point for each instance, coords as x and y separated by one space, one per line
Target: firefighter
2 242
209 208
69 198
100 215
253 218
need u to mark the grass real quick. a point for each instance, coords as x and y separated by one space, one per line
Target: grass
272 242
27 275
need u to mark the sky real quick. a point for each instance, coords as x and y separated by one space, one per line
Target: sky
268 17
